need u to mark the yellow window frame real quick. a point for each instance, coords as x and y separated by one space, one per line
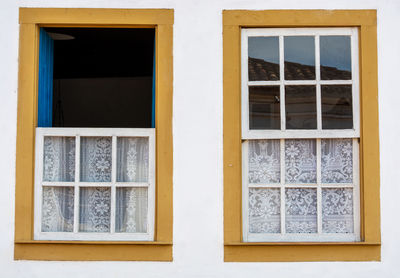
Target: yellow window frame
25 247
369 248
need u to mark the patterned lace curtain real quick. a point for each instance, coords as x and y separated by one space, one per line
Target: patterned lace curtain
58 202
300 181
132 166
96 168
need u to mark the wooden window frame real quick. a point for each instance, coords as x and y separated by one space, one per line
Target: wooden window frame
25 247
235 249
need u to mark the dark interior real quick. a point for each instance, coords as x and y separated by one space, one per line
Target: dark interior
102 77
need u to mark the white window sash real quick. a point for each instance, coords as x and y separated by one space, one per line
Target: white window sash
247 133
293 237
114 133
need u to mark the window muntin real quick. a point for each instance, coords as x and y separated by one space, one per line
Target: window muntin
315 196
102 191
317 73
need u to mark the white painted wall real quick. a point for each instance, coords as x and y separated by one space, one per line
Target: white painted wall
198 214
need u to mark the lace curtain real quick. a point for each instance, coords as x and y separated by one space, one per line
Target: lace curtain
264 210
301 212
131 212
59 159
58 209
264 161
132 159
337 160
96 159
95 202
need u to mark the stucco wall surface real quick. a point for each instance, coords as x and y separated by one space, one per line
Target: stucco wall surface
197 131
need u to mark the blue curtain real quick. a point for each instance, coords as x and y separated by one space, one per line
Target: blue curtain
45 85
153 102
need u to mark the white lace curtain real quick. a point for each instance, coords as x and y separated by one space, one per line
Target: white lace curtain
96 167
300 163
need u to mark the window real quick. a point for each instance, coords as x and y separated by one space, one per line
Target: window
95 162
300 134
75 188
301 169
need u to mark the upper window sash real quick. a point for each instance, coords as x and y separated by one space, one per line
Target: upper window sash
248 133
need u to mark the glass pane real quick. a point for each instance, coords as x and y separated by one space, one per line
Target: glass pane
335 57
96 159
264 107
132 159
301 161
299 58
94 209
59 159
301 107
301 210
131 210
337 210
337 110
263 58
264 210
58 209
337 160
264 161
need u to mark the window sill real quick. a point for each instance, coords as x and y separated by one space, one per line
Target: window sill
92 250
298 243
301 251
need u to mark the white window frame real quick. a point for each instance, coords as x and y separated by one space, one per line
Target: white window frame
114 133
316 134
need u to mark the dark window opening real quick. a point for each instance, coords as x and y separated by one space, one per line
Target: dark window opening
102 77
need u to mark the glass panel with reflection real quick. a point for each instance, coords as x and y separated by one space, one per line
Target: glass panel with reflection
264 107
335 57
337 112
301 107
299 58
263 58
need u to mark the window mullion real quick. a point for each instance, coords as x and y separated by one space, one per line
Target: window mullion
113 182
283 216
318 79
319 190
76 186
282 78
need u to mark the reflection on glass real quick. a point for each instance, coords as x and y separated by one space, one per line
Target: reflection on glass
299 58
336 107
301 107
335 57
263 58
264 107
